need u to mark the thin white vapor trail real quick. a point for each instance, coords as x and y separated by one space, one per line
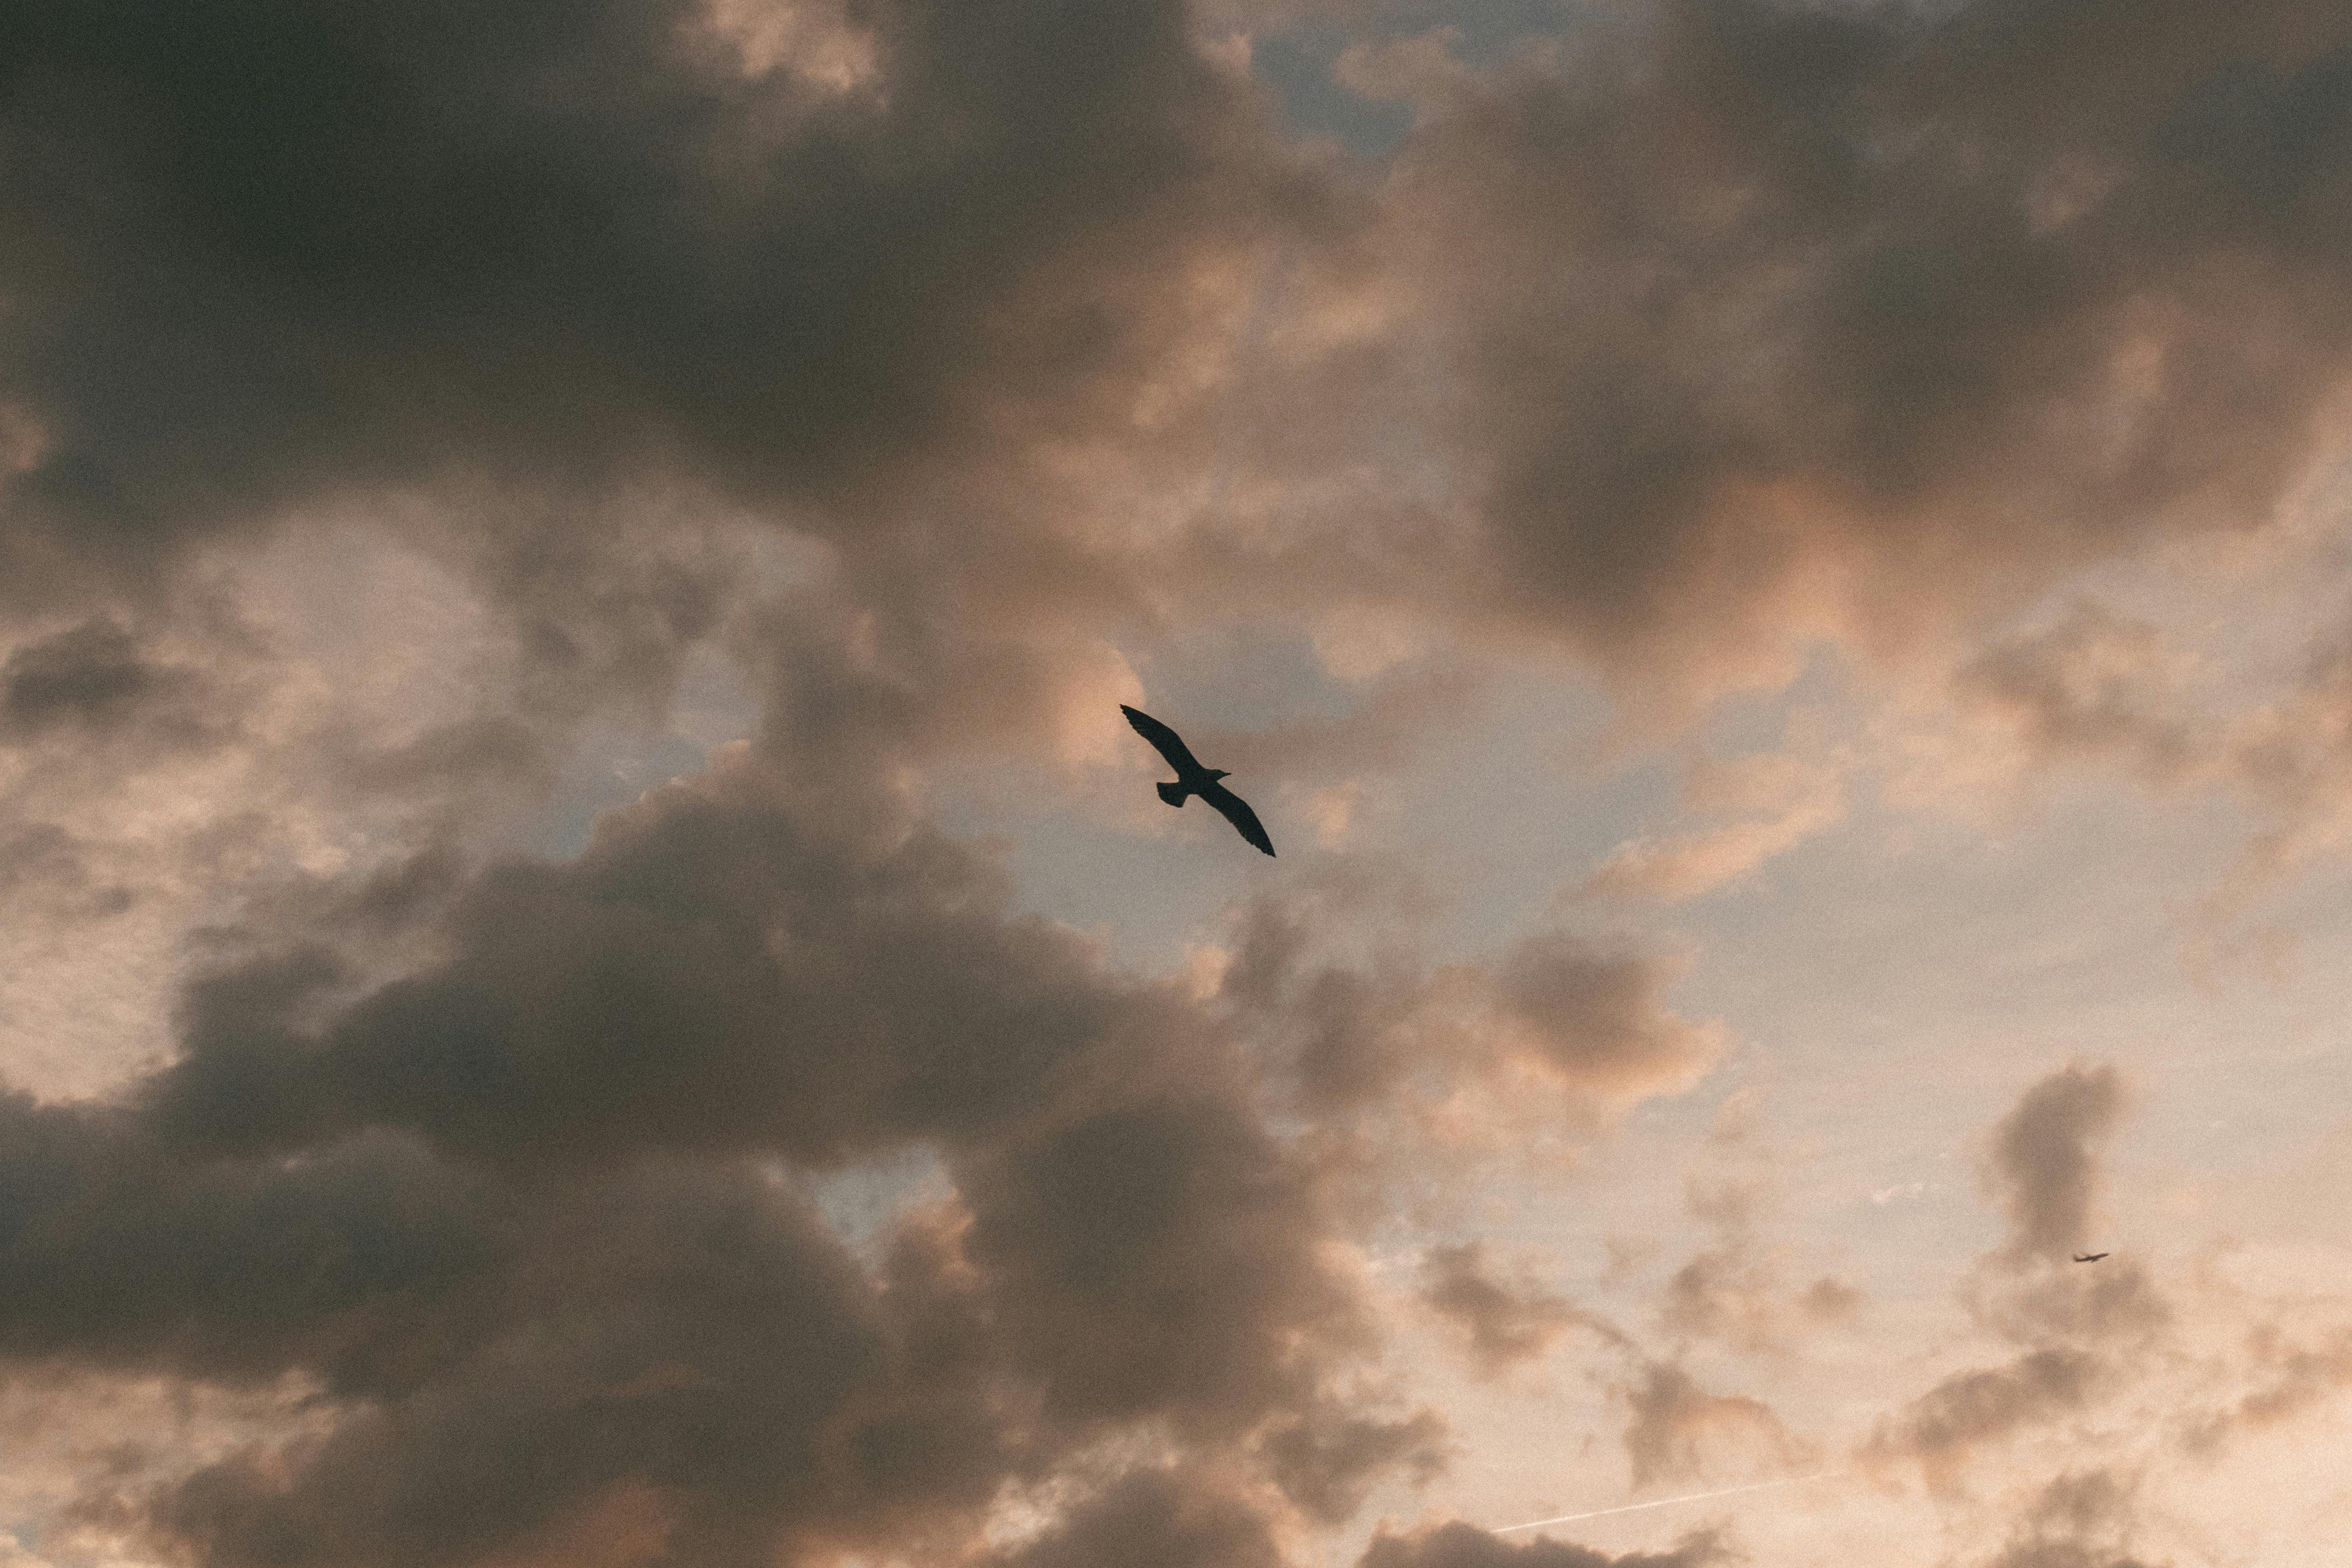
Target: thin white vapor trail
1666 1501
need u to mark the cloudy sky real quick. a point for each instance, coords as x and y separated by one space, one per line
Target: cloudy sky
590 976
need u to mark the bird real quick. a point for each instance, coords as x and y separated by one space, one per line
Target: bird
2088 1257
1192 779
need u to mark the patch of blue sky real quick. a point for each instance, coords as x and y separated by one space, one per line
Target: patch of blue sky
612 764
1298 63
863 1202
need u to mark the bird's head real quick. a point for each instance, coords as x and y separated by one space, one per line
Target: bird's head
1219 774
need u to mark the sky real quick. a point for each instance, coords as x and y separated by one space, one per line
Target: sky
592 977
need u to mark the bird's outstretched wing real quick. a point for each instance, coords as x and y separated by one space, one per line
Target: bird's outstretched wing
1170 744
1236 810
2088 1257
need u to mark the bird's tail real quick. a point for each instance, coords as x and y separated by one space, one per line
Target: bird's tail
1173 794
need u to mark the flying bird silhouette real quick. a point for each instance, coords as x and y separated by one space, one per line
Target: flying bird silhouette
1192 778
2088 1257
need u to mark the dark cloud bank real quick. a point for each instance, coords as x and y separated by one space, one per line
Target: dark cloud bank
534 1222
529 1213
1752 320
1777 320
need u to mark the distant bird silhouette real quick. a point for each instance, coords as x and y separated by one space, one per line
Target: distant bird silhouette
2088 1257
1192 778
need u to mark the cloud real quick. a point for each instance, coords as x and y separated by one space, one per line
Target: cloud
1155 1518
1677 1425
1725 1293
2289 1376
2066 1323
1596 1021
659 325
1327 1462
2129 1381
696 980
1770 323
1735 1292
92 678
2081 1520
2088 685
1831 1300
48 868
931 371
1586 1024
2092 684
531 1218
1348 1023
1159 1258
1910 357
1943 1428
2042 1163
1501 1323
1459 1545
694 1299
553 249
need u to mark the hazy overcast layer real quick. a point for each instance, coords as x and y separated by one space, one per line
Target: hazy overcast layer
591 976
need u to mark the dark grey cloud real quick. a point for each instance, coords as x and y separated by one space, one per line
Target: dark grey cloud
1829 1299
1739 301
1327 1462
593 306
1459 1545
508 1161
1723 1293
1158 1257
44 868
1346 1021
1772 317
2044 1164
2092 1306
1598 1019
690 1333
1754 318
1156 1519
90 674
94 685
118 1256
531 1217
1502 1322
711 973
2045 1168
295 250
2081 1520
2035 1553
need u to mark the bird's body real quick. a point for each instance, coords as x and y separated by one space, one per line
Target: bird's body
1192 779
2088 1257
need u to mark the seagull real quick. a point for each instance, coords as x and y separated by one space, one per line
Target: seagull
1192 778
2088 1257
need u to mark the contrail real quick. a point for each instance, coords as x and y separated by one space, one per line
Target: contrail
1666 1502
